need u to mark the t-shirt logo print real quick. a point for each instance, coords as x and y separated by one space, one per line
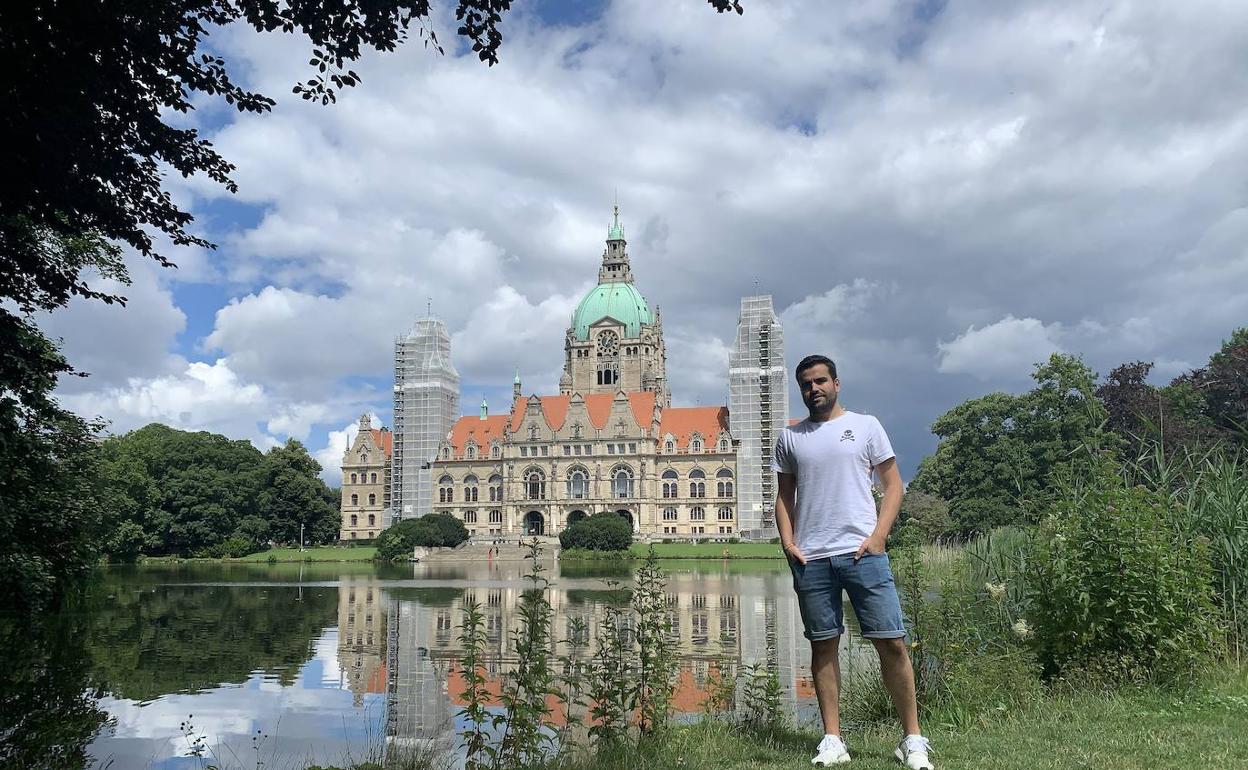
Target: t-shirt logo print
848 435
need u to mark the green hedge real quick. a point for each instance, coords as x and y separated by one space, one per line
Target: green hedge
600 532
436 530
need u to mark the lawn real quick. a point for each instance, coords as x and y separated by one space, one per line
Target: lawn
709 550
315 553
1139 729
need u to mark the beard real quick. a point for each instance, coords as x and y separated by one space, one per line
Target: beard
824 407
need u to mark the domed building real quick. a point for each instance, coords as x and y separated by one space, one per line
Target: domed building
610 441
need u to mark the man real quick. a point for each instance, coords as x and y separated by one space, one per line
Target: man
834 540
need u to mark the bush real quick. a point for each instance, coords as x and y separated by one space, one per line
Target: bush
1120 593
600 532
435 530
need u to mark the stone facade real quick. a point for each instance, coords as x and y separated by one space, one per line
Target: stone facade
366 482
554 459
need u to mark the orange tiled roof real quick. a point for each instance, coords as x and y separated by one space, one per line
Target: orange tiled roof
683 421
474 428
385 440
598 405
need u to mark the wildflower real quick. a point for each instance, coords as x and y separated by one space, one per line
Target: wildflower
1022 630
995 590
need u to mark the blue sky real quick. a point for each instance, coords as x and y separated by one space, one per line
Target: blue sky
936 195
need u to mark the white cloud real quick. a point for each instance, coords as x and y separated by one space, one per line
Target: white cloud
1007 349
889 178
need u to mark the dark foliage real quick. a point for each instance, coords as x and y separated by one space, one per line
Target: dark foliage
435 530
600 532
175 492
50 527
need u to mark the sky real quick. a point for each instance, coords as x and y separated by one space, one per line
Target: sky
937 195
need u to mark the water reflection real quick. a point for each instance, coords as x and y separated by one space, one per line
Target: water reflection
341 663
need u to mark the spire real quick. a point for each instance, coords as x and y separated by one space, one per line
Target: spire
616 231
485 408
515 386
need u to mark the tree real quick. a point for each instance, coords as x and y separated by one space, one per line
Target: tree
1142 414
998 450
1224 383
928 512
294 495
50 527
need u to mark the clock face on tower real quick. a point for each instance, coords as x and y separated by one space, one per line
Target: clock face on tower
608 343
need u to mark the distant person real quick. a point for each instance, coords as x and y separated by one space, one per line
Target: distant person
834 540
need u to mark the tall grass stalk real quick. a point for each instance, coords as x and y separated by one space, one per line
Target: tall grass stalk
525 740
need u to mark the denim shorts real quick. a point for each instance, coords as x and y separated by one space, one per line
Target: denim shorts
872 592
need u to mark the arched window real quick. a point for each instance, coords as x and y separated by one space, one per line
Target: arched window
372 519
697 487
622 482
446 492
470 489
725 513
697 514
496 488
355 520
470 517
695 445
723 487
496 452
446 453
669 446
535 485
372 500
669 484
352 478
496 517
374 479
472 451
355 499
723 443
669 514
578 484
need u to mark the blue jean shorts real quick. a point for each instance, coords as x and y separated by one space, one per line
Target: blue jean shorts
872 592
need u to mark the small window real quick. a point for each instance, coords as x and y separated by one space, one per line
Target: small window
632 449
495 452
697 514
567 450
374 479
669 514
372 519
372 500
355 520
725 514
355 499
352 478
669 446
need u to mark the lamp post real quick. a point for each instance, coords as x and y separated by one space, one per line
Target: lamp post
301 537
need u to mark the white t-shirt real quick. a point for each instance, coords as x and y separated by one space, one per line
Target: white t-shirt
833 462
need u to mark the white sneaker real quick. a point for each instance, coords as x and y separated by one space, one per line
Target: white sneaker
912 752
831 751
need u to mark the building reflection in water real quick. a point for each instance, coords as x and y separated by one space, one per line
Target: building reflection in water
407 642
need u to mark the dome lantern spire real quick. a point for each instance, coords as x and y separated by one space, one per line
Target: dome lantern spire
615 268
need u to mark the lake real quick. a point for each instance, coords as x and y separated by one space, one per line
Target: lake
297 664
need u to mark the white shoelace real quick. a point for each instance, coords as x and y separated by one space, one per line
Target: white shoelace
917 743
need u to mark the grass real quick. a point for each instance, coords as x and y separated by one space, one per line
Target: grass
709 550
1133 730
314 553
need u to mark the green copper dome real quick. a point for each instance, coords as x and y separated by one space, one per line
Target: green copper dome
618 300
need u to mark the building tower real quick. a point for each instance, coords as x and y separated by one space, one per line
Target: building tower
426 405
614 342
758 408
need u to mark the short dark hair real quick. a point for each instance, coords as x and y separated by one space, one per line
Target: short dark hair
815 360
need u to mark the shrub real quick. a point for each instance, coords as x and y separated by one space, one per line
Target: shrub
431 531
929 512
1120 593
600 532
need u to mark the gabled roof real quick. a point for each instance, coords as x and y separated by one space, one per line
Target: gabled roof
384 440
472 427
683 422
598 405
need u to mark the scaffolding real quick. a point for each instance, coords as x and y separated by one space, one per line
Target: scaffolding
426 406
758 408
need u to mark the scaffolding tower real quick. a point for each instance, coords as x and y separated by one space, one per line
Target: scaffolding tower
758 408
426 405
